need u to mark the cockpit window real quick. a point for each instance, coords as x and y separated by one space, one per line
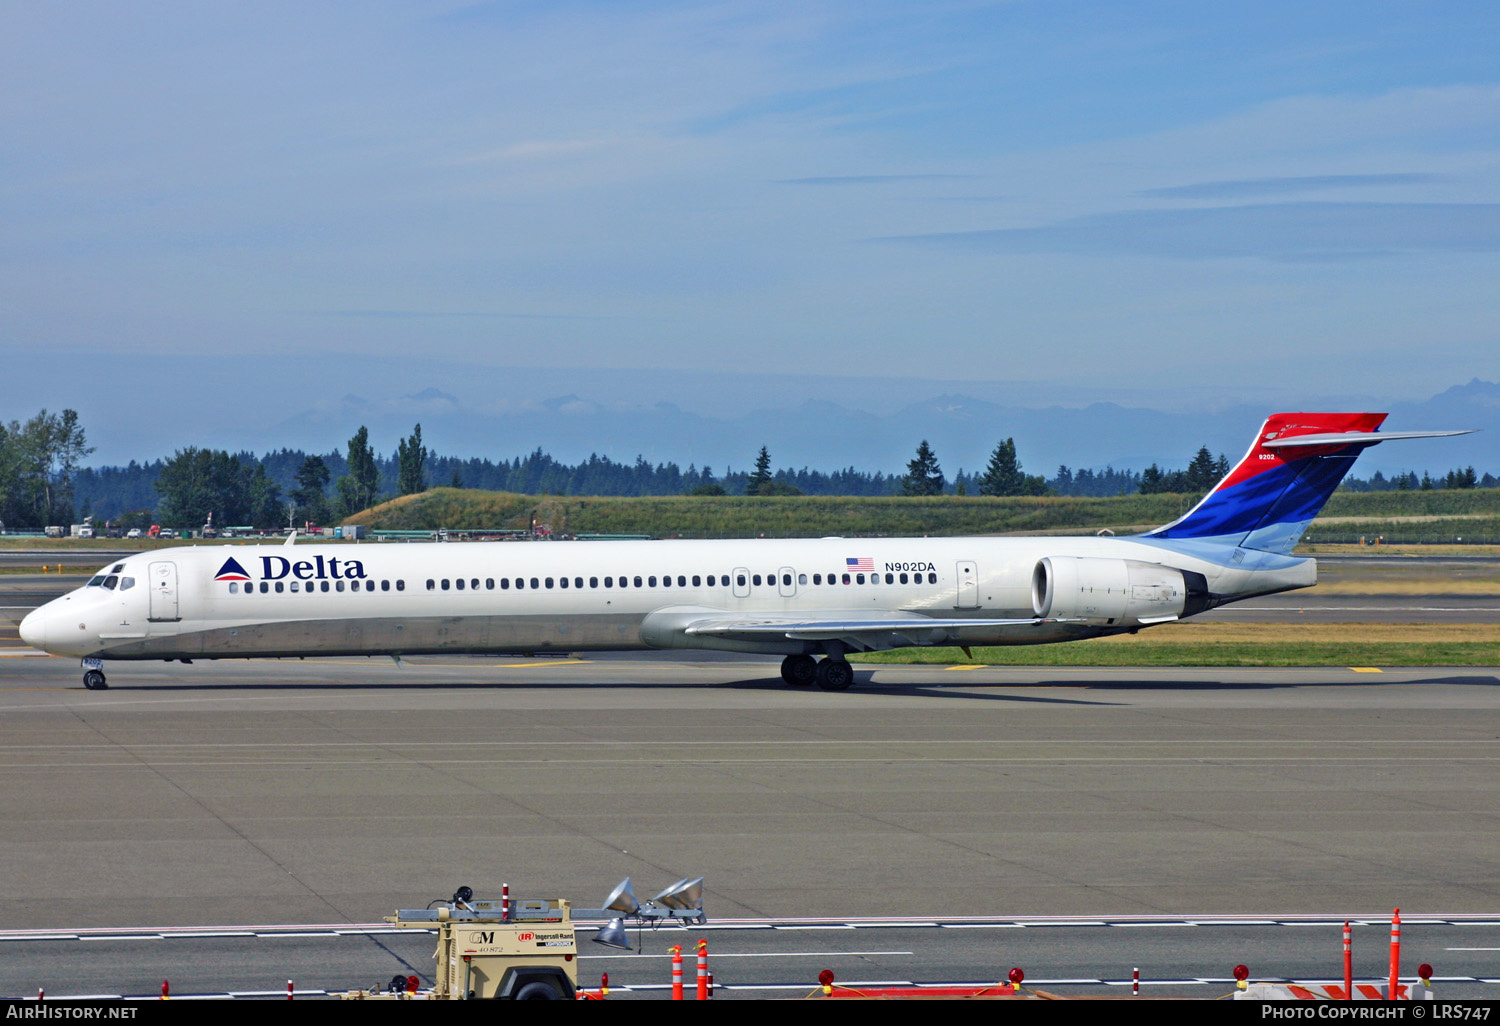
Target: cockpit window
111 581
118 568
126 583
95 582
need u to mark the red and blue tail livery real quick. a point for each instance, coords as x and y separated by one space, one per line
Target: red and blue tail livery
1293 466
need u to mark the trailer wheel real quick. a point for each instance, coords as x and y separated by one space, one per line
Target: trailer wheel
538 990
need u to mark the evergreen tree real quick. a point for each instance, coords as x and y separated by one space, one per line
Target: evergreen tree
309 495
1003 474
1202 472
358 488
263 499
761 479
411 457
923 475
1151 480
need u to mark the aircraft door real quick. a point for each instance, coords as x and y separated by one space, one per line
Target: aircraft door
787 581
741 581
163 583
968 585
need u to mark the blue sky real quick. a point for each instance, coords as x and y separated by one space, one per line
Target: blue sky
1248 200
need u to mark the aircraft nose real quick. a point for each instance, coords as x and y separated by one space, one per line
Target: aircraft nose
33 630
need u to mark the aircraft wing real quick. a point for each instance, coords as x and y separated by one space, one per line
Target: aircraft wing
858 630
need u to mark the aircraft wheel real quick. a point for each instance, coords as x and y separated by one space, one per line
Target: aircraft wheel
835 675
94 681
799 670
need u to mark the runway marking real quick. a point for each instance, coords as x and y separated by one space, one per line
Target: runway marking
747 954
1366 669
790 742
656 758
336 931
968 666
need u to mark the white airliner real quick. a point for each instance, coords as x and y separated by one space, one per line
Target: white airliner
800 598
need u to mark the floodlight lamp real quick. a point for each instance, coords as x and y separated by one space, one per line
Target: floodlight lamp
612 934
684 894
622 899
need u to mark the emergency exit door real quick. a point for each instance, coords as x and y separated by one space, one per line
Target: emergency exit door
163 578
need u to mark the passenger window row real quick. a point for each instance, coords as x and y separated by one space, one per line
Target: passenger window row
538 583
279 586
666 581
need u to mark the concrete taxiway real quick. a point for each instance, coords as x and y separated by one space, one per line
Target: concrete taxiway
331 791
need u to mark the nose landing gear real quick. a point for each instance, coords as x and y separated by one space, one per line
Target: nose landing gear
93 675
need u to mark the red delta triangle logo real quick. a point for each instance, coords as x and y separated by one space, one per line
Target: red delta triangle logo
231 571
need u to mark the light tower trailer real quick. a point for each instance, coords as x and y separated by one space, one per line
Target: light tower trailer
522 950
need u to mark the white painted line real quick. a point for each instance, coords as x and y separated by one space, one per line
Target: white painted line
746 954
277 936
1133 926
983 926
372 930
861 925
208 933
41 937
124 937
842 926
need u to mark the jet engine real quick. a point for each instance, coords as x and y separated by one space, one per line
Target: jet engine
1115 592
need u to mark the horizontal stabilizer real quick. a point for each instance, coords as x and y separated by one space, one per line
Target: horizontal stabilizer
1360 437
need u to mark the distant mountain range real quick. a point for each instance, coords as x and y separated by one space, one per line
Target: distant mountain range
826 434
314 401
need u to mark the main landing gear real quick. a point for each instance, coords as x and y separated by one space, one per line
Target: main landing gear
831 674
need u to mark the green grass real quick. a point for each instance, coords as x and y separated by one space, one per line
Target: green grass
1225 644
734 516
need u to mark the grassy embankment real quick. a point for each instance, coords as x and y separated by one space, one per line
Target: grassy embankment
1421 517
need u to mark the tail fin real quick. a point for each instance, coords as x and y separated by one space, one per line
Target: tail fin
1293 466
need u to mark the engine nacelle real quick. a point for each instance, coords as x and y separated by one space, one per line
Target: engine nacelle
1115 592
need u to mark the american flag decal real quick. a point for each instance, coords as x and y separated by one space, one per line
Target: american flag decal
859 563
